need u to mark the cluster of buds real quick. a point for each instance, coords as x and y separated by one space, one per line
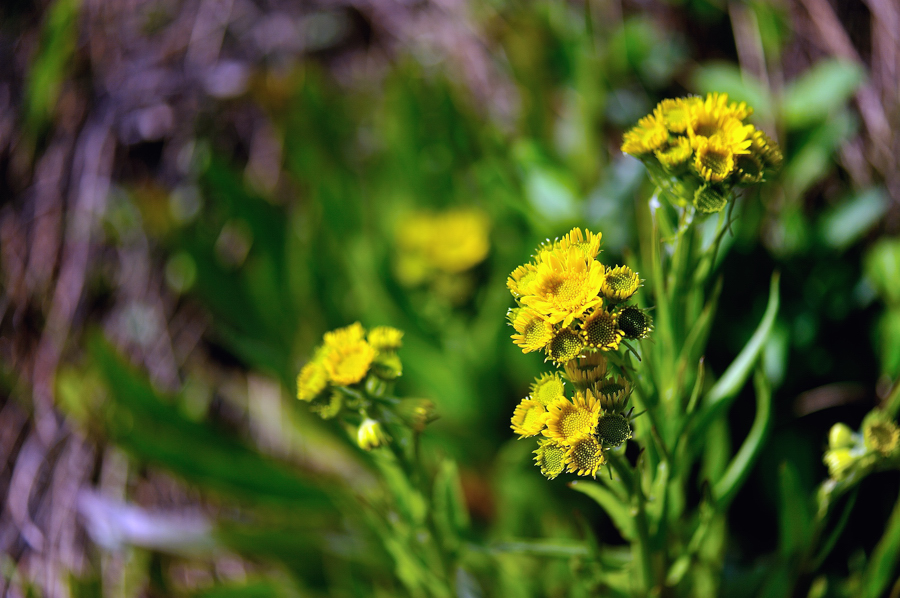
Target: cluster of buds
350 376
576 311
698 150
857 453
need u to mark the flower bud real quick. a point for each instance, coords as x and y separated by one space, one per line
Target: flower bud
371 435
840 436
416 413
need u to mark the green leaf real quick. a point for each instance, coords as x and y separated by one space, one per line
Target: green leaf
852 218
731 382
740 467
813 159
881 571
794 514
619 512
449 508
820 92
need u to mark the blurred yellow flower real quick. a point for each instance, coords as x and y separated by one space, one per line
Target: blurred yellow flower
385 338
311 381
880 434
450 242
649 135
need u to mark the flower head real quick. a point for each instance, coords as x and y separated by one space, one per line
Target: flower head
548 388
520 280
714 160
349 362
635 323
613 393
528 418
311 381
566 285
568 420
601 330
385 338
566 344
675 114
613 429
648 135
587 370
881 434
533 332
620 283
550 457
585 456
328 407
587 242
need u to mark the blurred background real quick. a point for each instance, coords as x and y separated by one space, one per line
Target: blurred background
202 188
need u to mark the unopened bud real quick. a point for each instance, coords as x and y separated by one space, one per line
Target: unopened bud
371 435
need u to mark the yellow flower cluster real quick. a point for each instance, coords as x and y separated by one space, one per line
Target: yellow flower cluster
570 304
576 432
575 309
698 150
877 442
345 358
434 245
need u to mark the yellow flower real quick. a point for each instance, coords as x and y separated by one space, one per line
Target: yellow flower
385 338
528 418
520 280
620 284
451 242
587 370
880 434
345 336
613 429
714 161
715 118
648 135
568 420
533 332
565 286
587 242
460 241
566 344
548 388
717 103
585 456
634 322
371 435
601 330
348 362
676 153
311 381
550 457
675 113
